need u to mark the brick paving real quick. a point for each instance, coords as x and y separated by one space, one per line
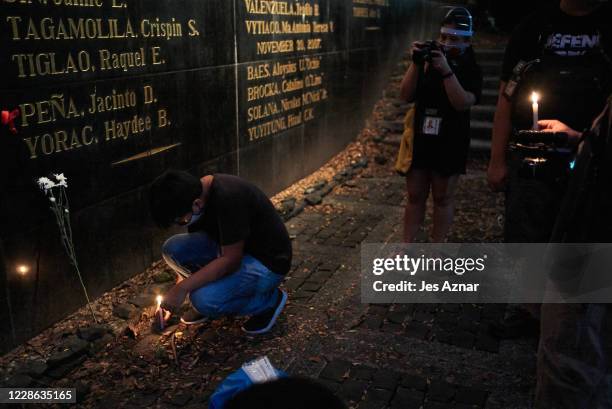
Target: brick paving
462 325
404 355
429 356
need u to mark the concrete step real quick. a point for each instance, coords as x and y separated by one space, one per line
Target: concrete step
491 68
492 51
480 145
393 139
490 81
483 112
476 145
481 130
490 54
396 126
489 97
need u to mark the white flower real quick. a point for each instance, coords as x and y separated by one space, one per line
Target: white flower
52 199
45 184
61 179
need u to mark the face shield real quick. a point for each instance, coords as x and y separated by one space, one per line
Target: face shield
456 26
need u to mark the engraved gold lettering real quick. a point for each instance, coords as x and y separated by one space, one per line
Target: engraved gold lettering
262 91
160 29
262 111
46 111
148 95
275 47
281 69
114 129
123 61
292 85
162 118
59 141
294 119
113 102
267 128
258 72
192 25
14 21
155 56
289 104
57 28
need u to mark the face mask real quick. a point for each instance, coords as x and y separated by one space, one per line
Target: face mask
455 50
194 218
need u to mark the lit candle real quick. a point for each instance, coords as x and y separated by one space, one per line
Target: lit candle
22 270
160 312
534 98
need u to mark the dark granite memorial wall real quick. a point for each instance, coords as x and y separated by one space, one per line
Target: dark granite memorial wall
113 92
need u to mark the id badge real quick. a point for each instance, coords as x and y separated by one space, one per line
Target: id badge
431 125
510 88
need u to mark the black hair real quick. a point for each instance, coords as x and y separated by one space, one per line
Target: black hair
286 393
171 195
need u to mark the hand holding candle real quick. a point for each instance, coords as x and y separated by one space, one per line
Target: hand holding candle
534 99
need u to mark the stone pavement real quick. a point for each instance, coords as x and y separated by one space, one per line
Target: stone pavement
432 356
404 355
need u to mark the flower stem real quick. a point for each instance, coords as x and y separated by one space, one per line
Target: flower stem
60 209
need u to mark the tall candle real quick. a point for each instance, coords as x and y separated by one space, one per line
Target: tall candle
534 98
160 312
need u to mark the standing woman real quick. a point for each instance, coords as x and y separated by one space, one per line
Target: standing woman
444 86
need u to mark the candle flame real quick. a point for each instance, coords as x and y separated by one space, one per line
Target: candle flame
23 269
535 97
159 300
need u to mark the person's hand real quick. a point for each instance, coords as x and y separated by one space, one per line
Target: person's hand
552 125
416 46
497 175
174 298
440 63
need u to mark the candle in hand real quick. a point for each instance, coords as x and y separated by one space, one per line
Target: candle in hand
535 98
160 312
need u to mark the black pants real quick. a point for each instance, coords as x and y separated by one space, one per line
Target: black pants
532 206
575 357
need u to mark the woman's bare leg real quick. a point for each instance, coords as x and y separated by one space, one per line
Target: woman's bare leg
417 183
443 191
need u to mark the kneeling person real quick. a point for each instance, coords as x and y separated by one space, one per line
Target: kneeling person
235 254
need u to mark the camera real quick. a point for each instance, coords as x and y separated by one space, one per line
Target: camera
545 156
423 54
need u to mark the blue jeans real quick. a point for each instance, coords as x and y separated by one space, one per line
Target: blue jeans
248 291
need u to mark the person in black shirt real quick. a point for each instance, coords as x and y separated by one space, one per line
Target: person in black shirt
563 53
235 254
443 89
